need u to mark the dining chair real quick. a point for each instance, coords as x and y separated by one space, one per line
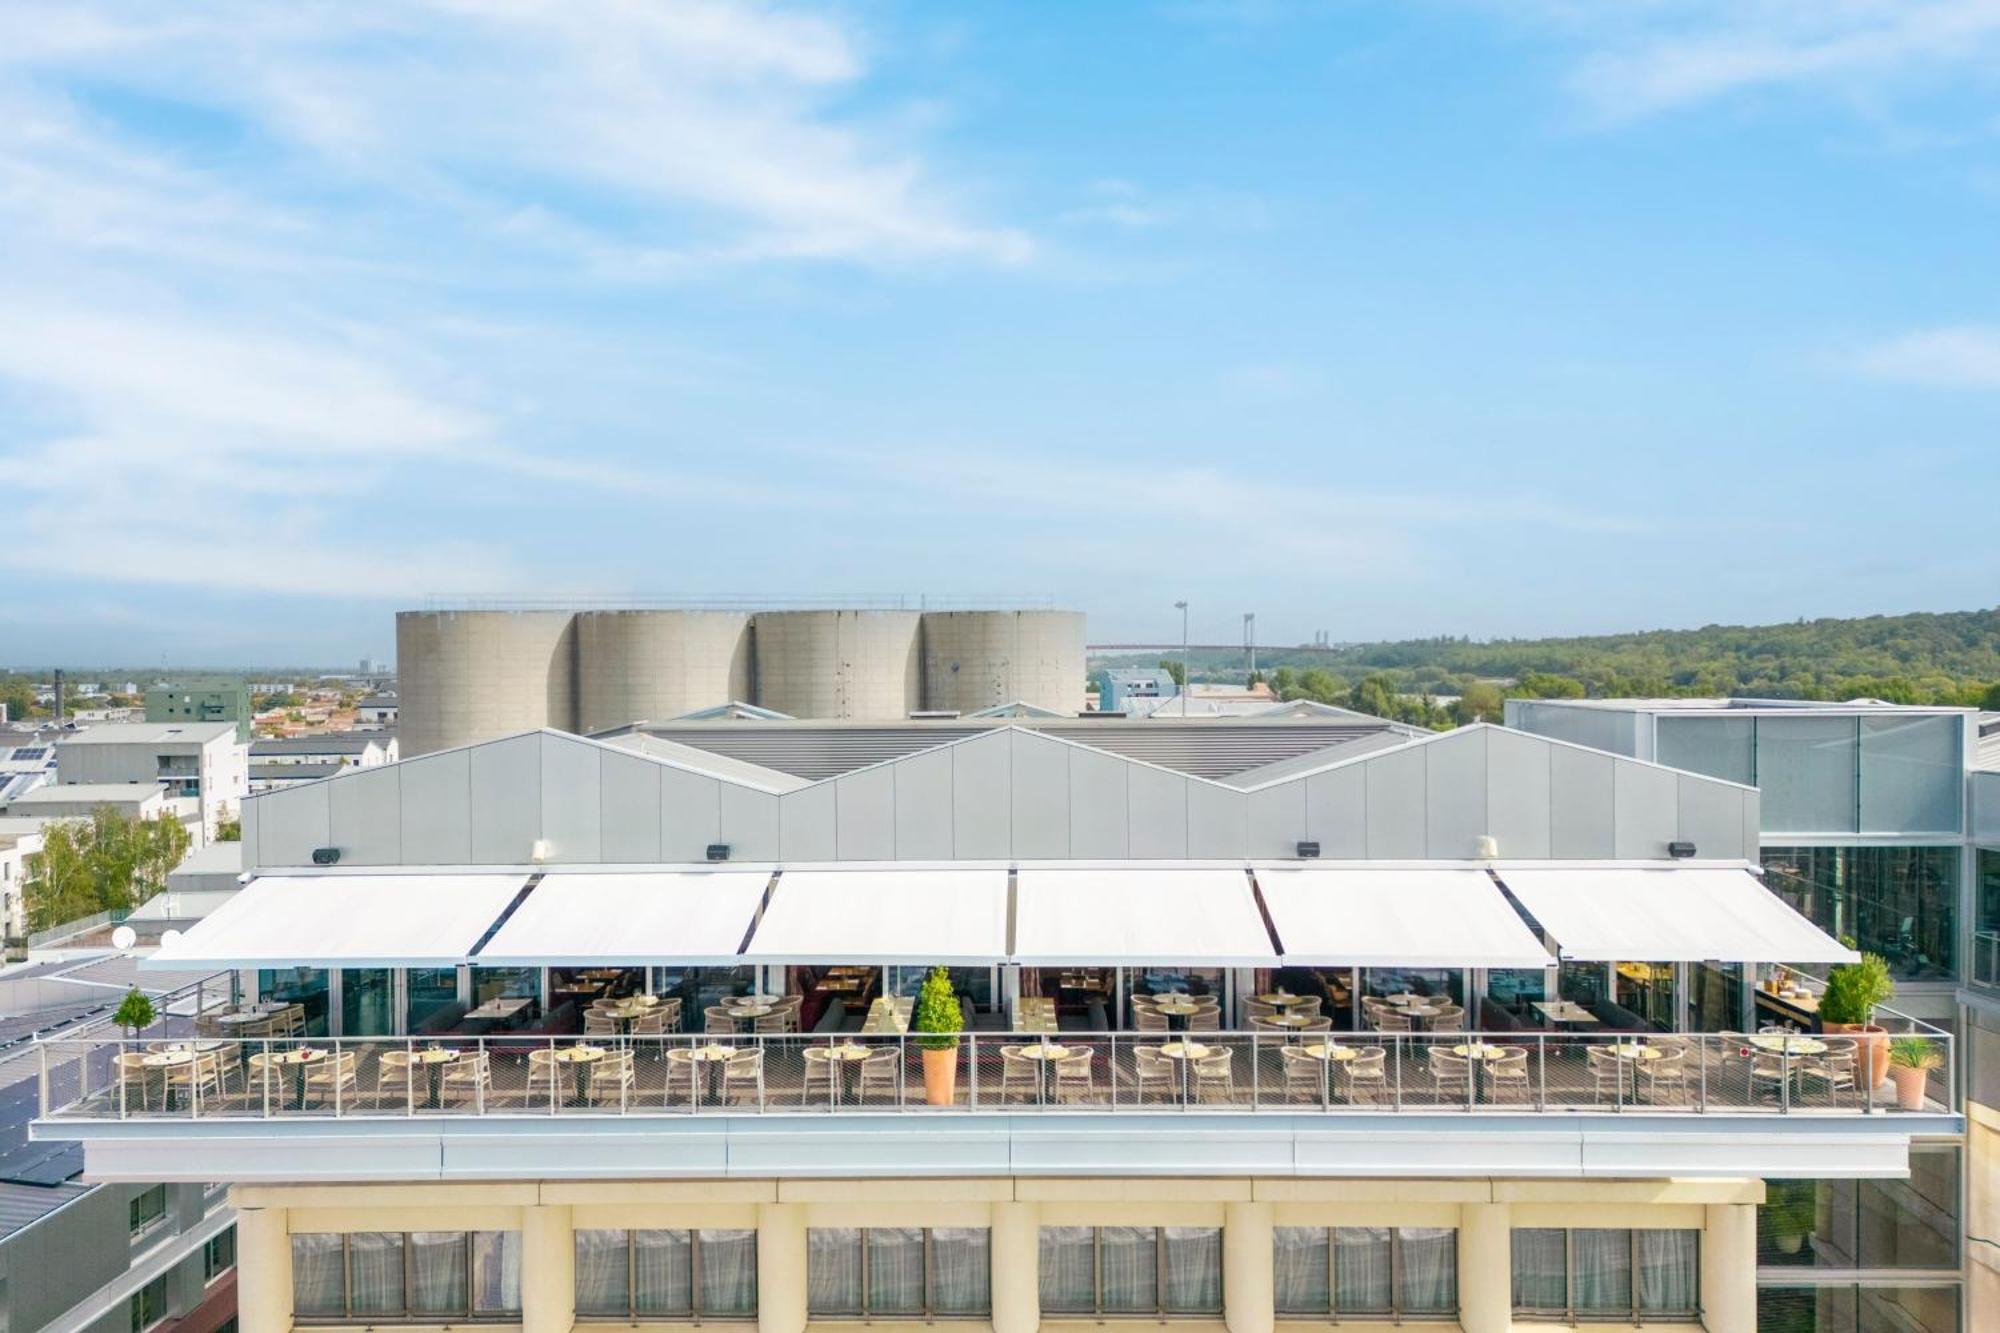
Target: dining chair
743 1076
669 1013
469 1077
1390 1020
333 1075
267 1079
1448 1018
1149 1020
1364 1078
1507 1077
611 1074
1608 1074
133 1072
1317 1023
677 1086
394 1075
1833 1071
596 1024
1666 1077
1205 1020
1020 1075
545 1077
1075 1077
1305 1074
1451 1075
1215 1077
718 1020
772 1024
1154 1073
880 1073
821 1079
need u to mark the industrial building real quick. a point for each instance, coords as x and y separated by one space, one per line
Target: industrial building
471 675
218 700
199 767
614 1030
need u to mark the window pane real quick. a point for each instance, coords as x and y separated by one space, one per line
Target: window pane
1430 1270
317 1274
896 1270
375 1272
1603 1269
1806 771
1130 1268
1362 1275
961 1270
833 1270
1912 776
601 1273
496 1271
1068 1269
1912 1223
663 1272
1192 1280
1541 1269
437 1272
1669 1275
1900 902
1718 746
1301 1262
729 1271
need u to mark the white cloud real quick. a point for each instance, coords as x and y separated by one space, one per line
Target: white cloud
1962 357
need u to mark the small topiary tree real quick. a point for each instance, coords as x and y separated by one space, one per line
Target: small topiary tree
135 1012
1854 990
937 1013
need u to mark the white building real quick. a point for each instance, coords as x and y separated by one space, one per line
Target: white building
202 762
19 840
377 710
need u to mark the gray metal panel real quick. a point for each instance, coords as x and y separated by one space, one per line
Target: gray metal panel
253 850
1040 796
366 805
864 815
690 814
1278 820
1581 809
1396 818
1455 794
1711 817
572 799
981 810
1753 823
505 778
749 822
1218 821
1337 812
805 825
629 831
437 809
1647 811
294 823
1157 804
923 807
1099 813
1517 792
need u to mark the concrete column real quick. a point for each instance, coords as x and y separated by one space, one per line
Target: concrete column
781 1268
1016 1261
1729 1268
1249 1294
548 1269
1485 1268
263 1271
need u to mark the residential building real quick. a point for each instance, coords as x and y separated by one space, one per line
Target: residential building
376 710
200 762
548 1031
342 749
76 800
221 700
19 840
1132 690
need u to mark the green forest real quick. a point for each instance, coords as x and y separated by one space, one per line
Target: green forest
1923 658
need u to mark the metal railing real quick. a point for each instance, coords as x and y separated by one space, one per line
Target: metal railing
276 1078
83 925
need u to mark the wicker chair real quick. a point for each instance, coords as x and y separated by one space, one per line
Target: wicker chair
1154 1073
1305 1074
611 1074
1365 1078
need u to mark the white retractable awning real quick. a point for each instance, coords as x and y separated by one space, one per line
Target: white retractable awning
346 921
1672 914
688 917
1138 915
906 915
1337 916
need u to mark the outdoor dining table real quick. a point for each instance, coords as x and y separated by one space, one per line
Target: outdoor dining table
1287 1020
703 1062
300 1060
1327 1053
1185 1052
848 1055
1785 1043
1282 999
1049 1054
432 1060
177 1056
1176 1009
1637 1050
582 1057
737 1001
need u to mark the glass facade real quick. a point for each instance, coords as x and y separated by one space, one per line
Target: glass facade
1866 1224
1848 1308
432 994
1986 923
307 987
367 1001
1383 1272
1900 902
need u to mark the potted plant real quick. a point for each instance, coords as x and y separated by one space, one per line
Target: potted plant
1853 990
135 1012
1790 1211
938 1023
1911 1060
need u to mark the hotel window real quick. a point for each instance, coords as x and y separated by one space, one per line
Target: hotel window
706 1274
149 1304
1606 1275
218 1256
147 1210
1392 1272
414 1275
932 1272
1157 1271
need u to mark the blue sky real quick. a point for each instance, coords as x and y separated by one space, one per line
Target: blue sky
1489 317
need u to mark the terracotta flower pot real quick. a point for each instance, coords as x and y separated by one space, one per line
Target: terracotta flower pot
1871 1049
1909 1086
940 1077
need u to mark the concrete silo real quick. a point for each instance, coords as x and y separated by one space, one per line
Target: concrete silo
976 659
640 666
465 676
839 664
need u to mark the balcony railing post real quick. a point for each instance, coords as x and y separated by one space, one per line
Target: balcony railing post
1396 1048
972 1069
42 1090
1785 1076
1541 1071
481 1071
1256 1073
1701 1048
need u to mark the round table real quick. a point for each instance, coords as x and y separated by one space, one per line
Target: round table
1326 1050
1637 1050
1288 1020
1186 1052
1176 1009
583 1057
752 1010
731 1001
843 1057
302 1058
1282 999
1483 1050
1778 1043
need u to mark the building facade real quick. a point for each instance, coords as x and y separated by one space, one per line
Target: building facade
202 701
201 763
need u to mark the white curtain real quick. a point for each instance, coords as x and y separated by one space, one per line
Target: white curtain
1669 1271
1541 1270
1363 1270
896 1270
496 1272
833 1271
1130 1269
319 1276
1191 1280
1300 1262
1068 1269
728 1271
437 1272
1430 1269
662 1272
1603 1278
961 1270
600 1272
375 1272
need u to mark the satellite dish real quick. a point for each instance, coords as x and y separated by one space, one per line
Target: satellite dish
124 937
169 937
